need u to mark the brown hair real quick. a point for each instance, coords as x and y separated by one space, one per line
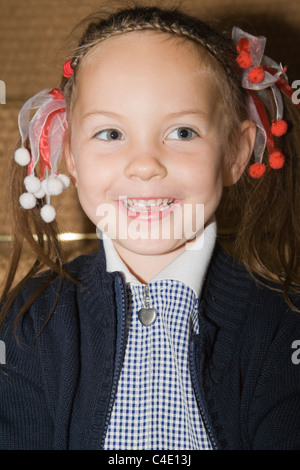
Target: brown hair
266 211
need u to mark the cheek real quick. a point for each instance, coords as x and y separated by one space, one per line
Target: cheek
86 177
208 180
95 177
92 172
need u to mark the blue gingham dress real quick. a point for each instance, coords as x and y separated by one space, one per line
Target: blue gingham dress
155 406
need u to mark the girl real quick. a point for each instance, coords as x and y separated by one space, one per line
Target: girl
161 340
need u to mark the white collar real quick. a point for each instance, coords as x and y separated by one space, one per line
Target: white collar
189 268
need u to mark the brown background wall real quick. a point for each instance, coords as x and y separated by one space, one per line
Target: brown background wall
35 42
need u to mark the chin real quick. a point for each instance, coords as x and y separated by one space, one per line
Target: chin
150 247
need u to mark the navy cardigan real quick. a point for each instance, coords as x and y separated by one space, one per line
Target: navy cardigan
58 385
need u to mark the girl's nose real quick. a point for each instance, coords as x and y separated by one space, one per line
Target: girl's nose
145 168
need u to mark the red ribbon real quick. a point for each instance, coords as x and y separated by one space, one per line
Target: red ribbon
281 83
265 121
44 143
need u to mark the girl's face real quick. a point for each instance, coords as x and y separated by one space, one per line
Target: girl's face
147 126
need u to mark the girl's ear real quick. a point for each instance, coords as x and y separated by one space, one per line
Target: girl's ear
244 152
70 161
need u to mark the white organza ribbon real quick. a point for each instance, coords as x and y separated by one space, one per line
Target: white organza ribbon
44 104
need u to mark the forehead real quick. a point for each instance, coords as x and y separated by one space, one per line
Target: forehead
174 67
147 40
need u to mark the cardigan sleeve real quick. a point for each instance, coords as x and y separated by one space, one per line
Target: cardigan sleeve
25 422
274 415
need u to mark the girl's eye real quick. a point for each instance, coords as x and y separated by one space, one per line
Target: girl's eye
182 133
109 134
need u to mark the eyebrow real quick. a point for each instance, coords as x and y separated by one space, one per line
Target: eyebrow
185 112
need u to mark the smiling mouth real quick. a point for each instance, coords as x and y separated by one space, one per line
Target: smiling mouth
148 205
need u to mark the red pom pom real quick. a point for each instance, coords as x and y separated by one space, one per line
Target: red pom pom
256 75
276 160
243 45
279 128
57 95
257 170
67 70
244 60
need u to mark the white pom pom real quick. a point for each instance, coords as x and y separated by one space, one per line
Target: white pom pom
22 156
40 193
54 186
27 200
64 179
48 213
32 183
44 186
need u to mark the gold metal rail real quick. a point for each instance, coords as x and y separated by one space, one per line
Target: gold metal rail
68 237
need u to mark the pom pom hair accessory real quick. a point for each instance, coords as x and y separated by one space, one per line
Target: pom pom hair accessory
259 74
67 69
45 132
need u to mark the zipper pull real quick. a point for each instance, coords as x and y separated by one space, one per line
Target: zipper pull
147 315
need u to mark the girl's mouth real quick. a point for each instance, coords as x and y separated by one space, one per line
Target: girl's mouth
148 209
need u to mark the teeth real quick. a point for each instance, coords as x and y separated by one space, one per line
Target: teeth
142 203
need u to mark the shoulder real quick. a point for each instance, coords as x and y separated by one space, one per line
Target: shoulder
246 313
228 281
50 290
249 319
76 270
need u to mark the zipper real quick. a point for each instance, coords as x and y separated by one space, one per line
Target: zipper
147 296
147 315
120 353
199 399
